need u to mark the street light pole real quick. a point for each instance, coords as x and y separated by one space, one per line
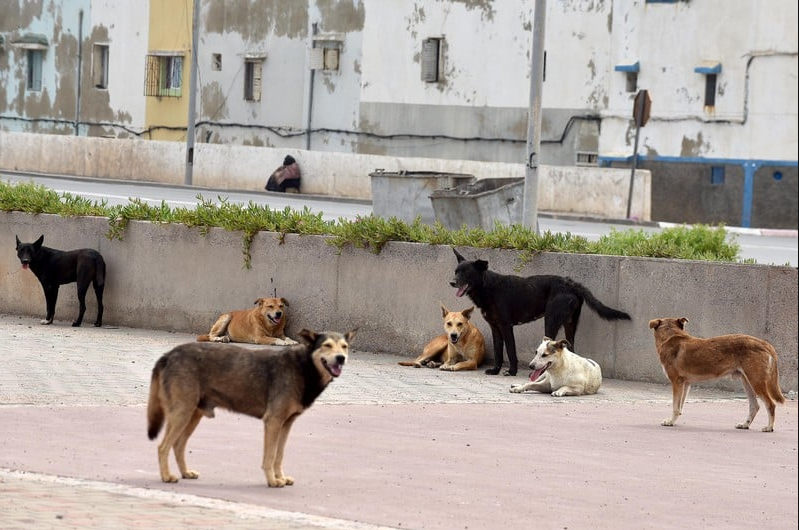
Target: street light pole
530 203
192 94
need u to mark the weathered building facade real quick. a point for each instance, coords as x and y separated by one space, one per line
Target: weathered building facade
446 79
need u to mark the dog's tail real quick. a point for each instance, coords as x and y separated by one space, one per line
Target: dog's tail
605 312
155 411
203 338
99 278
773 383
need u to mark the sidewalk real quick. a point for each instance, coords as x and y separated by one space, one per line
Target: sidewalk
384 447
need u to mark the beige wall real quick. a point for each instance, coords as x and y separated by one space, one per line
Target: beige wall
171 277
598 192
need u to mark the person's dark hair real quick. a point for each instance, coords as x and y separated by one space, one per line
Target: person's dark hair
289 160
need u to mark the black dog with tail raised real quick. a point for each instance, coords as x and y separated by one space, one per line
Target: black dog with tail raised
506 300
54 268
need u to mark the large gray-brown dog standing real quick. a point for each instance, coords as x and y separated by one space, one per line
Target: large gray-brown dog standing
275 385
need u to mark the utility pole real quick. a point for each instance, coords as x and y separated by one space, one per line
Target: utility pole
530 202
195 20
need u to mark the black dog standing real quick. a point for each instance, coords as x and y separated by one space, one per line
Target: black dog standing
506 300
54 268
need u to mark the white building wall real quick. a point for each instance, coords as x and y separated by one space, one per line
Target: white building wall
127 25
756 101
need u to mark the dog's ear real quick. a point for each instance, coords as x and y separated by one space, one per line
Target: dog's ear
259 301
18 242
350 334
38 243
285 302
565 344
457 255
654 323
481 265
681 321
308 336
444 310
467 312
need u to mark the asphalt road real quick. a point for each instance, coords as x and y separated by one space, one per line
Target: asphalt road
768 247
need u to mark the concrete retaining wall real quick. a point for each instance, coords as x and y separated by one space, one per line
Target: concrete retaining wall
171 277
597 192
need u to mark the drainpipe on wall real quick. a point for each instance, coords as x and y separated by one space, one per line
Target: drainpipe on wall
80 68
195 20
314 31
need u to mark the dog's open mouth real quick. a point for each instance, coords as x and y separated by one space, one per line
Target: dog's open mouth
538 372
333 369
24 265
273 320
462 290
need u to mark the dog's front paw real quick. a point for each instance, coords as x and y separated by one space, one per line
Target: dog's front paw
517 389
190 473
667 423
288 342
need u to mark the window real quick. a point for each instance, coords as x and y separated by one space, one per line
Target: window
431 60
164 75
631 73
252 79
35 59
711 70
710 90
100 66
326 51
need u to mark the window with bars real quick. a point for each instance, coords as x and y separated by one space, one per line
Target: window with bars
100 66
164 75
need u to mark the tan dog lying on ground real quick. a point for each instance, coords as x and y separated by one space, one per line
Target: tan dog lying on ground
561 372
688 359
274 386
264 324
461 347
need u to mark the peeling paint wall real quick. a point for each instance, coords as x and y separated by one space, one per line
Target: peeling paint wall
375 102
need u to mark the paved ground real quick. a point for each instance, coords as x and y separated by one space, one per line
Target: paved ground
385 446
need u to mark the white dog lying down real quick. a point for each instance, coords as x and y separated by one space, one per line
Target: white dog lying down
560 372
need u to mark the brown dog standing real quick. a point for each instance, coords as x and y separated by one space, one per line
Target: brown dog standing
461 347
688 359
264 324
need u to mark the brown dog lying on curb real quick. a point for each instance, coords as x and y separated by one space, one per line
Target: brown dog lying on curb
461 347
688 359
264 324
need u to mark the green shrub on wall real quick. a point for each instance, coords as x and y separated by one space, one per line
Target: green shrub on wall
700 242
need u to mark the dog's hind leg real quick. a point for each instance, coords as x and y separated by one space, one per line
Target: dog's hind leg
82 290
218 331
98 292
754 406
176 423
180 445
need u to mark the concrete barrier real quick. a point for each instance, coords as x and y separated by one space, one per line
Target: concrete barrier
590 191
170 277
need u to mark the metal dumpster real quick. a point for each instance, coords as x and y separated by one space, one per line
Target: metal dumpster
480 204
405 194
